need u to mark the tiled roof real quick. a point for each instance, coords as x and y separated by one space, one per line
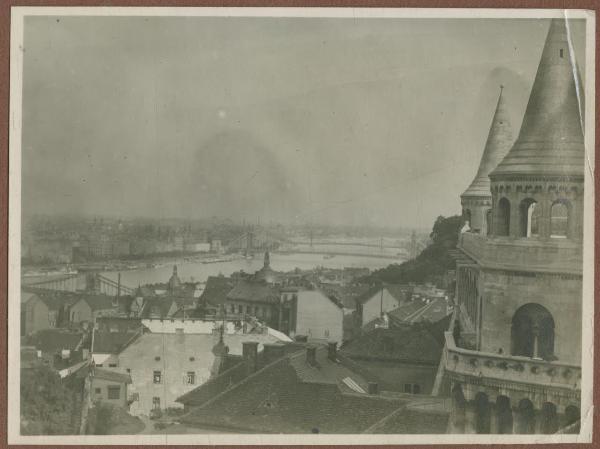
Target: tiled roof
325 371
253 292
106 342
53 340
216 289
414 344
98 302
112 376
157 307
275 399
346 295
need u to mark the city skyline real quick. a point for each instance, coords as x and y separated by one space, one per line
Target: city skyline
241 118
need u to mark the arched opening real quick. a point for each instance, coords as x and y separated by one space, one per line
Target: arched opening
529 214
503 215
467 216
526 417
532 333
488 222
571 415
483 415
559 219
549 418
504 418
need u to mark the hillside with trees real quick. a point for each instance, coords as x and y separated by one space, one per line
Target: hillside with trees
433 261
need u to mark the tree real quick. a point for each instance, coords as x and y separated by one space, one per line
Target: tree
433 260
48 407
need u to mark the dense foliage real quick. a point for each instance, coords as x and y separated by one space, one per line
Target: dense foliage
48 407
433 261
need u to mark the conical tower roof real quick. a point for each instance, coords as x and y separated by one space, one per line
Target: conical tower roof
499 140
550 142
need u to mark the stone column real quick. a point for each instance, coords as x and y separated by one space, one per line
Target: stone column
470 418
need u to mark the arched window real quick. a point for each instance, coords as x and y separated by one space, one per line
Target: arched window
503 215
526 417
488 222
504 418
572 415
549 418
467 216
529 214
532 333
482 413
559 220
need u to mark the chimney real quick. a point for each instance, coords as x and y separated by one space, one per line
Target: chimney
373 388
250 355
272 351
311 355
85 353
332 350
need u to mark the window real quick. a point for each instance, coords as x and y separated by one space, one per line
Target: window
327 332
412 388
114 392
112 365
157 377
98 390
99 365
232 308
529 214
192 359
157 358
155 403
559 220
128 370
502 221
190 378
240 309
561 52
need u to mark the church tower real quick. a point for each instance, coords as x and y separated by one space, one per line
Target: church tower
513 352
476 201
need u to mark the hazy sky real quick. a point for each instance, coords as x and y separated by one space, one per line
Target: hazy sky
379 121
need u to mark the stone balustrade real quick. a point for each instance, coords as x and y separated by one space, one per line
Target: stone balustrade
514 376
528 254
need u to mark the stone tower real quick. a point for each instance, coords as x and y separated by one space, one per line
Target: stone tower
476 201
513 352
542 175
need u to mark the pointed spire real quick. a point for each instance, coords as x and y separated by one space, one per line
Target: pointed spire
499 140
551 138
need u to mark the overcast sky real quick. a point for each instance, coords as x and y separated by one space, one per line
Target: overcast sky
373 121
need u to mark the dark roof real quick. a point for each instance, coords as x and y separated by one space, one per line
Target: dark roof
53 340
104 342
406 311
346 295
51 301
98 302
285 397
216 289
157 307
118 324
414 344
113 376
253 292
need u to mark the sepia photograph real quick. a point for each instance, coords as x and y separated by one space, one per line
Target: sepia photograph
300 226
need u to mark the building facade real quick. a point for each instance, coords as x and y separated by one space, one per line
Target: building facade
513 355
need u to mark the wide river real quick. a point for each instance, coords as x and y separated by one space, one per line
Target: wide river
199 272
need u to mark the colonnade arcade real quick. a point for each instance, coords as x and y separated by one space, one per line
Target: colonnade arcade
545 210
491 412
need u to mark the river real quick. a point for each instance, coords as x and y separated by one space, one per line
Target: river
199 272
